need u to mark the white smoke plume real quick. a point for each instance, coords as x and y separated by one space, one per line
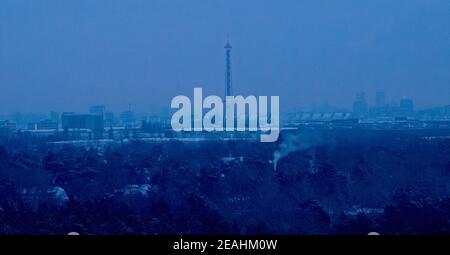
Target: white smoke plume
294 142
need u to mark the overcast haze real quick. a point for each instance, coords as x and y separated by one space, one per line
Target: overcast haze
68 55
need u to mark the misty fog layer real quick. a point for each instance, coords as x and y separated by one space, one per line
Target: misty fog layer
67 56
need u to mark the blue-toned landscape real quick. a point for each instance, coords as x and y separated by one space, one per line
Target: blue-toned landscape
87 137
324 182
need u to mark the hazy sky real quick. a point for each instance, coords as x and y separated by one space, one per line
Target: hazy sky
68 55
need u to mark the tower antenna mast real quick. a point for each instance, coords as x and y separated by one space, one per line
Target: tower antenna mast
228 83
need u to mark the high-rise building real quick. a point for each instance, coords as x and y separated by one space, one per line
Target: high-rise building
380 99
360 106
406 106
127 117
97 109
54 116
109 118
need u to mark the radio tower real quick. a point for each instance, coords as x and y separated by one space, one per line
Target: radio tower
228 90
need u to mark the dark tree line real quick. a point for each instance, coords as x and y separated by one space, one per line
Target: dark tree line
347 185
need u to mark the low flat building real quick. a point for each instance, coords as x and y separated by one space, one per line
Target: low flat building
43 125
7 125
92 122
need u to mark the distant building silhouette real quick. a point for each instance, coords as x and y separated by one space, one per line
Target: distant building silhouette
360 107
7 126
127 117
43 125
406 106
97 109
380 99
54 116
109 118
92 122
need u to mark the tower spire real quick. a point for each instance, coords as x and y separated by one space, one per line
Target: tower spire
228 87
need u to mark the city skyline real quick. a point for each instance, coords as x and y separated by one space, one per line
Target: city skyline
145 52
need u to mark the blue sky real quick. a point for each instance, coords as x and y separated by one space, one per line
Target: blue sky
68 55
